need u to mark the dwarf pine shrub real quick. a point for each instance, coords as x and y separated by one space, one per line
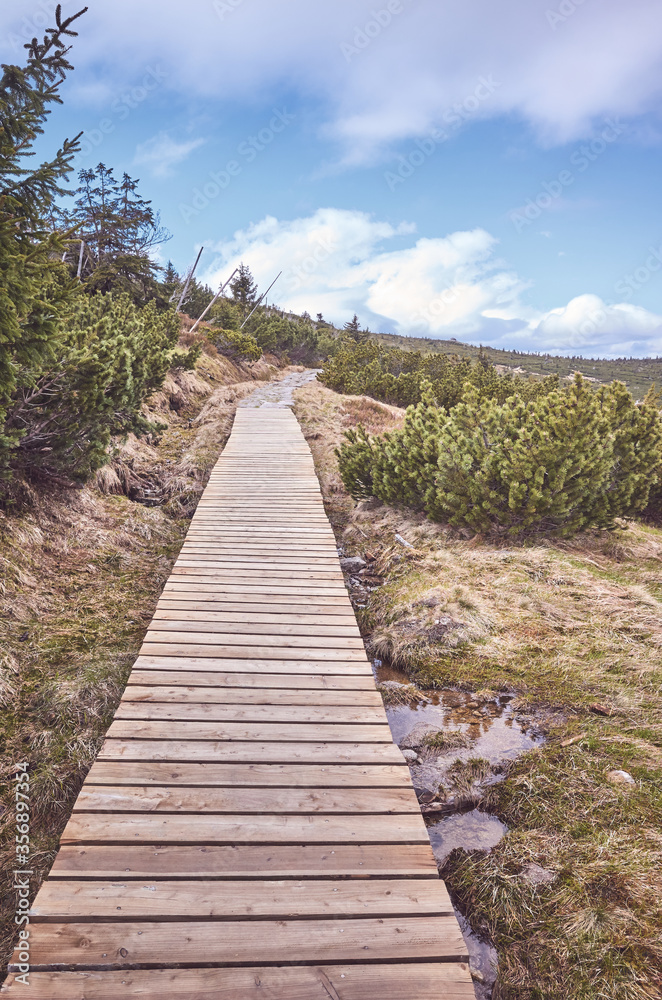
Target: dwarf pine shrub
560 463
110 355
400 377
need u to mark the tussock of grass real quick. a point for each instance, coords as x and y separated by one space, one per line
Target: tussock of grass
407 694
566 625
447 739
462 775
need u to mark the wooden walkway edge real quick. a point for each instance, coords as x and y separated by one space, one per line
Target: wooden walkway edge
249 830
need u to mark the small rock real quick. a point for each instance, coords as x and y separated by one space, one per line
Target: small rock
393 685
477 975
415 739
620 778
537 875
352 564
411 756
403 541
598 709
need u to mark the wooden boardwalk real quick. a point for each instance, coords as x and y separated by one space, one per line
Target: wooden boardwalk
249 830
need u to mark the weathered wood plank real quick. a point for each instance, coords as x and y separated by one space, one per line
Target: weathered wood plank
315 684
244 861
278 636
244 775
177 645
234 799
254 752
282 714
280 828
236 662
420 981
254 700
276 732
70 899
211 613
113 945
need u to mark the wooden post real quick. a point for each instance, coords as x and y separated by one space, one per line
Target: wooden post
218 293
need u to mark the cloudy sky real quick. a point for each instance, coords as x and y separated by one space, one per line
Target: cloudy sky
481 169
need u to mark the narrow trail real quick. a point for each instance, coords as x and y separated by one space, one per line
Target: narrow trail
249 828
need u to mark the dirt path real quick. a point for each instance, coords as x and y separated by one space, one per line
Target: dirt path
279 394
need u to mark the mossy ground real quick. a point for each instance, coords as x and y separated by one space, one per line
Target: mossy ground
573 628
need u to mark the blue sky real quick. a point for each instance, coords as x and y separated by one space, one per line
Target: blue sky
463 169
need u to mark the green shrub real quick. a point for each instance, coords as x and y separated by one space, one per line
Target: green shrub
399 377
233 344
109 356
562 462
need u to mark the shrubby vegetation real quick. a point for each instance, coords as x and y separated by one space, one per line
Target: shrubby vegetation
392 375
561 462
109 356
77 358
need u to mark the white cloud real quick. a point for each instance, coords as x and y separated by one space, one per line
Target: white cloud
341 262
587 325
161 153
603 59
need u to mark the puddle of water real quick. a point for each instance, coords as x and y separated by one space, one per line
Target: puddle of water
482 959
496 736
473 831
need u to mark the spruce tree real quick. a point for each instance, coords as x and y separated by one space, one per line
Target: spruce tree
243 287
35 287
120 229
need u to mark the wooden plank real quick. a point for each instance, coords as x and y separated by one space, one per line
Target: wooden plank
281 828
179 646
235 799
420 981
170 610
302 684
249 593
282 714
244 775
253 752
214 633
235 661
204 624
275 732
254 698
70 899
214 862
110 944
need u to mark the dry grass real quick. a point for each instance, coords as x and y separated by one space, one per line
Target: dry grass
575 628
80 574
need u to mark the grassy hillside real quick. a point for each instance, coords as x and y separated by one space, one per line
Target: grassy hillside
639 374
